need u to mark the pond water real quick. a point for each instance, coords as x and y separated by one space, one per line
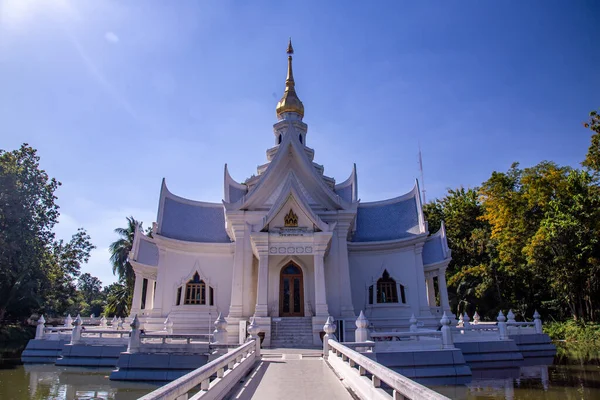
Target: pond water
575 374
47 381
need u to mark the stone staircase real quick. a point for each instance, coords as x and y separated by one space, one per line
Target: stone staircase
292 332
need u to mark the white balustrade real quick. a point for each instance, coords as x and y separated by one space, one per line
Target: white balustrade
353 368
226 371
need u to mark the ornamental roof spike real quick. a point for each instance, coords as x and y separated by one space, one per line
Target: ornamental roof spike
290 101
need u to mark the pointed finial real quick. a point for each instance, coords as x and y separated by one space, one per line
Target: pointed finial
290 103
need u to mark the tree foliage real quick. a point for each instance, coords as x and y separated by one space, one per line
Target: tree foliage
37 272
527 239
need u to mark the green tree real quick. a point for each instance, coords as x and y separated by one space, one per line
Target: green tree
120 249
90 289
36 271
566 247
117 300
592 159
27 215
472 276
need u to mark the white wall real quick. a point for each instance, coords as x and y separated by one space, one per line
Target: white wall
367 267
177 268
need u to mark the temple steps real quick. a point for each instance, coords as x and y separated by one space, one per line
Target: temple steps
290 332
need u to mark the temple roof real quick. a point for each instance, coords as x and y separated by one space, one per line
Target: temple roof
397 218
147 252
193 221
436 248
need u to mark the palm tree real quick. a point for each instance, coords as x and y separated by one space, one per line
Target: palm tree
119 251
118 299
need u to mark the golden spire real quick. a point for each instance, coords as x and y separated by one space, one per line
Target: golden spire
290 101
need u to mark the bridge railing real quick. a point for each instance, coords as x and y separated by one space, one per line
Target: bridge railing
355 368
217 377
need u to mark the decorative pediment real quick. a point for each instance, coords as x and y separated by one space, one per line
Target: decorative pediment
290 220
292 211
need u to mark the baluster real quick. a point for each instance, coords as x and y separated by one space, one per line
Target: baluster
205 384
220 372
375 381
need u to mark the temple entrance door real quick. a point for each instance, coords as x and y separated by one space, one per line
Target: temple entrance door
291 291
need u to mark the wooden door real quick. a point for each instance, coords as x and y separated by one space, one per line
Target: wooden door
291 291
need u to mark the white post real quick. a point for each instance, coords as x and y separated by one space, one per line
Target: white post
502 330
220 332
413 323
537 322
510 316
114 322
476 318
466 320
329 329
76 335
431 300
103 322
134 338
321 308
168 326
120 323
261 309
361 334
68 321
150 296
254 330
39 330
136 302
443 288
447 340
461 321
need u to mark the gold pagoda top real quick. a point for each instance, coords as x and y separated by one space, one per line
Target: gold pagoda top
290 101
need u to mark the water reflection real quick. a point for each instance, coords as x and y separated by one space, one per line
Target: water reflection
46 381
575 374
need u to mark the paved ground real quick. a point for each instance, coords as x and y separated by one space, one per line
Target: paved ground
291 376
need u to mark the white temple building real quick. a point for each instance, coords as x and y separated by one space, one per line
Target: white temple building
289 244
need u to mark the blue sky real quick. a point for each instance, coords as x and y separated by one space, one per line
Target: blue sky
116 95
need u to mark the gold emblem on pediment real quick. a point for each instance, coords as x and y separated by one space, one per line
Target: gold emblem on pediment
290 220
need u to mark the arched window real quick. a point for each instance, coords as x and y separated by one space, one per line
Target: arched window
387 291
197 292
279 140
300 138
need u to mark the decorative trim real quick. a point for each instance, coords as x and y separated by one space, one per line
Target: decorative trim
275 250
193 247
387 245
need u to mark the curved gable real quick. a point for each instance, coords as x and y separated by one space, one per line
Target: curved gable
189 220
436 248
392 219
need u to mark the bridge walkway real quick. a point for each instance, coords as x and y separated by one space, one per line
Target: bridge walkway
296 374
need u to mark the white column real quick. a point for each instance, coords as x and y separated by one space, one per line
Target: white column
321 309
420 282
160 300
150 295
347 308
430 289
237 285
136 302
262 292
445 303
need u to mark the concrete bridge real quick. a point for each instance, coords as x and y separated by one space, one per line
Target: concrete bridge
335 372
